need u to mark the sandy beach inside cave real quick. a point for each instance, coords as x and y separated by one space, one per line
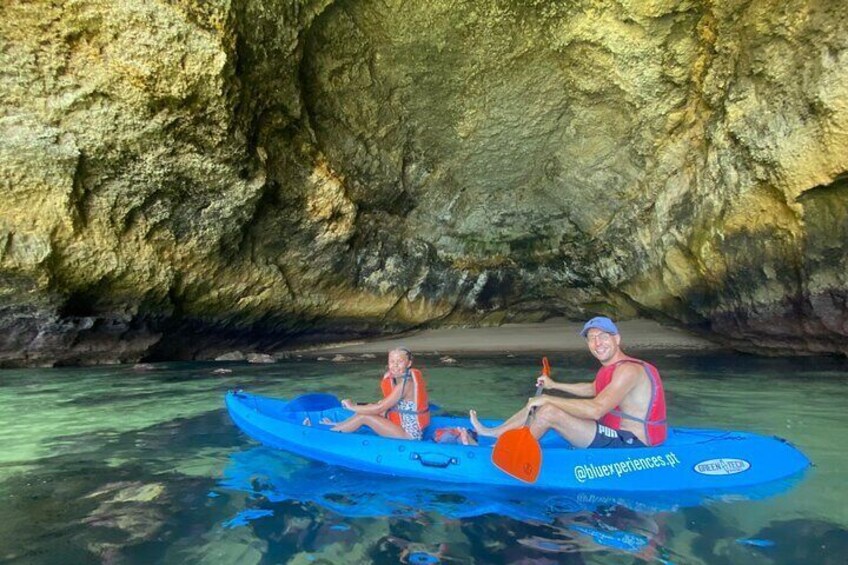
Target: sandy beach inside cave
557 334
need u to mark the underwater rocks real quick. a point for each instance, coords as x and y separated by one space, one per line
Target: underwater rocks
186 179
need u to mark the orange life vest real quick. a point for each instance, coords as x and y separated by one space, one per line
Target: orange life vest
422 402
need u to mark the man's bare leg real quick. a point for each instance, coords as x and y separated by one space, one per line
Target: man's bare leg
578 432
515 421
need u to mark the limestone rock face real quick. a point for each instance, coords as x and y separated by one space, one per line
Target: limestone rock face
185 178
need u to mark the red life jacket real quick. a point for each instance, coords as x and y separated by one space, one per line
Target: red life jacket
656 429
422 402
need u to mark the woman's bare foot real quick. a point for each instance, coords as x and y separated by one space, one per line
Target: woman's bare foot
465 438
327 422
478 427
307 421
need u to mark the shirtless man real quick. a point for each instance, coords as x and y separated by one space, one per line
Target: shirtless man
623 407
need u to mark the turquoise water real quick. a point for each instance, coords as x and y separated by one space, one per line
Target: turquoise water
112 465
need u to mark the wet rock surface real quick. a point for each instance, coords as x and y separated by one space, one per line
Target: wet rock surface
187 179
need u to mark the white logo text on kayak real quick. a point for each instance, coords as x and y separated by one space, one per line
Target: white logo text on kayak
722 466
632 464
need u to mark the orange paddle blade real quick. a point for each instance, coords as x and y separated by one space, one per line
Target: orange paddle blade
517 453
546 367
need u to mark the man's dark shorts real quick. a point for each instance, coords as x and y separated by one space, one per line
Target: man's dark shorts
608 437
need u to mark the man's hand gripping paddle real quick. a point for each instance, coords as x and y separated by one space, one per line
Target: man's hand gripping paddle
517 452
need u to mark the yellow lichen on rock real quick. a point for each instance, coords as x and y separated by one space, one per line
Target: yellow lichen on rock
328 205
760 210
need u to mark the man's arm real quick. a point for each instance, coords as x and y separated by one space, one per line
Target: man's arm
585 390
624 379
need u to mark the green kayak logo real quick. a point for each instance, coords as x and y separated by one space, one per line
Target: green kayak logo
722 466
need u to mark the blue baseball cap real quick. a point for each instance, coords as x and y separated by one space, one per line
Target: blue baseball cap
600 322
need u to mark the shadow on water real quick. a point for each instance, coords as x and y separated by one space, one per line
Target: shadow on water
781 542
113 495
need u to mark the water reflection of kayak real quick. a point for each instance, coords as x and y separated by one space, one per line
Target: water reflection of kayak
277 476
692 462
573 522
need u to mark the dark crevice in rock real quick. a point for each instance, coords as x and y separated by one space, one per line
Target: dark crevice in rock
838 188
79 305
200 339
78 194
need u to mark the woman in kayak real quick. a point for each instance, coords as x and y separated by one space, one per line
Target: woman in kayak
404 410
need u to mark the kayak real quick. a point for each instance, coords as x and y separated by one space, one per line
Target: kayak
691 459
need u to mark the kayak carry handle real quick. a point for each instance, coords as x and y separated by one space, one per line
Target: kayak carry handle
439 460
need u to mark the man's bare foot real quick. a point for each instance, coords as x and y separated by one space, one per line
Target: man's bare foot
478 427
307 421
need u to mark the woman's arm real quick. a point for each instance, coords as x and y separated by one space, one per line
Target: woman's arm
376 408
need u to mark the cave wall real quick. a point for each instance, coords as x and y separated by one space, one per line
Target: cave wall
182 177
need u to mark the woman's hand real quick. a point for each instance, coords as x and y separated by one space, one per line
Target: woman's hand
347 403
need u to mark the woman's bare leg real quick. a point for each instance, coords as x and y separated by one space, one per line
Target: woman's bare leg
380 425
465 438
515 421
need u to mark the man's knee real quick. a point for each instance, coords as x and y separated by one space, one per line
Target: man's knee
549 414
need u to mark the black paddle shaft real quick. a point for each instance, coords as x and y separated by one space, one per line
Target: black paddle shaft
530 412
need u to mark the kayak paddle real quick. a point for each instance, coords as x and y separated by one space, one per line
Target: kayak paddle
517 452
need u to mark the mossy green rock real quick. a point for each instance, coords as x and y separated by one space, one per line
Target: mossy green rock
185 178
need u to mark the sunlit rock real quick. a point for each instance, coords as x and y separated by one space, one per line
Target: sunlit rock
231 356
260 358
136 510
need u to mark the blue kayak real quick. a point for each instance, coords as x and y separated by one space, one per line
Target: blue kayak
691 459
